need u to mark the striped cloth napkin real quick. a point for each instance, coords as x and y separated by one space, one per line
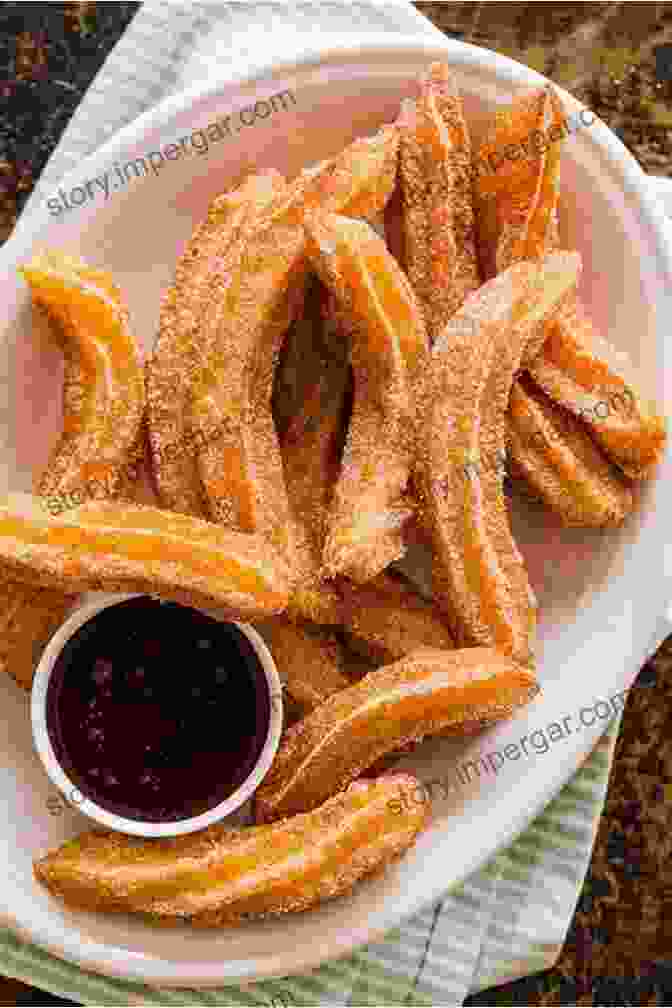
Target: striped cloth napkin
507 920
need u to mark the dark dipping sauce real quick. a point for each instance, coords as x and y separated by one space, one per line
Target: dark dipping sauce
156 711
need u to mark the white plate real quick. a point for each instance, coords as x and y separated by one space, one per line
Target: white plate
604 596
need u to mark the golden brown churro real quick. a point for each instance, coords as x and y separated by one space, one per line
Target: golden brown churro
104 391
517 197
579 370
129 548
311 448
417 696
517 219
222 876
478 576
103 396
389 346
28 618
309 660
201 276
239 457
555 454
438 217
387 620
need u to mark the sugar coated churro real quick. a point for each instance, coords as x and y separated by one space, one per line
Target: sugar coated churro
517 206
556 455
517 197
127 547
579 370
310 661
104 391
239 456
387 620
98 454
223 876
478 576
201 276
388 348
438 217
395 704
28 618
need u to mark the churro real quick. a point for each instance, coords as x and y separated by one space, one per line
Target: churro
222 876
28 618
516 198
420 695
517 212
201 277
387 620
104 390
579 370
239 456
130 548
311 448
99 453
555 454
438 218
389 346
309 660
479 579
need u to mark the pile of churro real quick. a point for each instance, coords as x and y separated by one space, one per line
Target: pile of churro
343 365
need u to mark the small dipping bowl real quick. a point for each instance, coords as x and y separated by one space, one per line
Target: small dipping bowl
215 735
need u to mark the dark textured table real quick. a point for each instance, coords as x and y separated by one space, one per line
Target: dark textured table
619 950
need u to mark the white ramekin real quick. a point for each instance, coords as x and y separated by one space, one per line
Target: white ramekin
87 806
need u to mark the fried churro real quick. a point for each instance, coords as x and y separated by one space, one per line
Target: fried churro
239 456
129 548
387 620
438 218
311 449
583 373
479 579
554 453
389 346
104 390
517 198
221 876
310 661
420 695
28 618
201 277
97 456
517 219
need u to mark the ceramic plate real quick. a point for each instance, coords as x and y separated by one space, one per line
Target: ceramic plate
603 596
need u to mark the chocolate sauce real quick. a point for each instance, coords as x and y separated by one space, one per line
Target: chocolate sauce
156 711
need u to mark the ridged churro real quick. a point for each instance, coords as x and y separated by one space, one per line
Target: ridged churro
389 345
478 576
104 390
517 212
579 370
386 620
98 454
555 454
239 456
517 197
311 448
221 876
310 661
438 218
130 548
201 277
420 695
28 618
